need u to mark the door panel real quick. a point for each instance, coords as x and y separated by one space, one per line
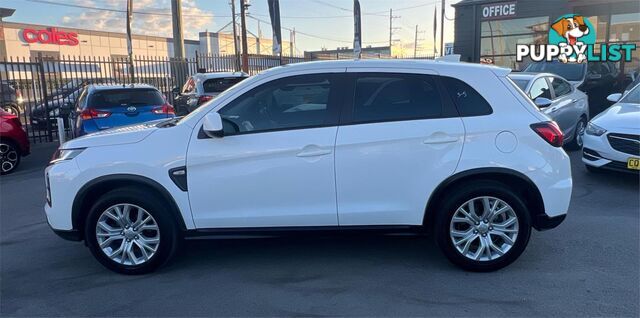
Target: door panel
563 110
385 172
283 178
275 165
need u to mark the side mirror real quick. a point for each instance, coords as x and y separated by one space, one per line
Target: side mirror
542 102
212 125
614 97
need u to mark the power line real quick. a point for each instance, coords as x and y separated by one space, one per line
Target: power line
124 11
314 35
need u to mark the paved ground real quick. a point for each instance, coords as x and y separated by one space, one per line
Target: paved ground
589 266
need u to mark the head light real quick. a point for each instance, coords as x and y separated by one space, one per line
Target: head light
54 113
595 130
65 154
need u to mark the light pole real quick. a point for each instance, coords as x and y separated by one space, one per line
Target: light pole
244 4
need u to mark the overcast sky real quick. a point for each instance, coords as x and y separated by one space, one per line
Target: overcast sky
319 23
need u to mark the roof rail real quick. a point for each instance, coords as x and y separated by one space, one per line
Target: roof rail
449 58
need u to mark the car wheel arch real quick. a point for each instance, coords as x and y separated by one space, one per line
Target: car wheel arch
523 185
93 189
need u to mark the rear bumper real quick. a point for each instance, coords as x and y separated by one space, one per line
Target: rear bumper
545 222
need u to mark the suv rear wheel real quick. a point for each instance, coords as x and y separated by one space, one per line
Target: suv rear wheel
484 227
130 231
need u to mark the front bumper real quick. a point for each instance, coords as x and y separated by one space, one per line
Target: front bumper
598 153
71 235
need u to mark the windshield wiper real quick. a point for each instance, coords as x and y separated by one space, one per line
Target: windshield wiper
169 123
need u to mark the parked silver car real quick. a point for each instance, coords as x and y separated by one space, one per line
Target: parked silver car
558 99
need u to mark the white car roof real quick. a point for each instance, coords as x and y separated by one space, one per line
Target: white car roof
438 66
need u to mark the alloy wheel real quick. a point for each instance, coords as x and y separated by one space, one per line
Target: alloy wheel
8 157
128 234
484 228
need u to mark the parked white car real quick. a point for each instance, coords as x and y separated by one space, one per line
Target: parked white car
388 145
612 139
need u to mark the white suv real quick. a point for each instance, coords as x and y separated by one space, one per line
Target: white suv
388 145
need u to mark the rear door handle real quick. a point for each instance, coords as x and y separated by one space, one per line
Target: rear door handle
436 139
313 152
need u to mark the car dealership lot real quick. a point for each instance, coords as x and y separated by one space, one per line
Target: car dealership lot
589 265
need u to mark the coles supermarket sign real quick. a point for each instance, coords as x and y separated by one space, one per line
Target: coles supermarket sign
50 36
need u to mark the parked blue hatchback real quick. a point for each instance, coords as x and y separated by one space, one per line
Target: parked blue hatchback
102 107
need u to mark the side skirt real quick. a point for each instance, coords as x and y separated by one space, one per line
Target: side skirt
303 231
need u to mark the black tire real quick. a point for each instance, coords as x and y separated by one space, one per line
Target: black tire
154 205
9 157
576 143
448 208
12 109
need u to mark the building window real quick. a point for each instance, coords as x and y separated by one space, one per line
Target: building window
500 37
625 28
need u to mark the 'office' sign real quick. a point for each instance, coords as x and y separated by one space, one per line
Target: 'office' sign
498 10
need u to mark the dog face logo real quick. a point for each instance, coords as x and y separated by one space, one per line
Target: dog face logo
571 28
571 32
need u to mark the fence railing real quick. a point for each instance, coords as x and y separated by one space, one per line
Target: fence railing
37 87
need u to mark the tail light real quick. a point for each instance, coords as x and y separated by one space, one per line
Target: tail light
91 113
550 132
166 109
203 99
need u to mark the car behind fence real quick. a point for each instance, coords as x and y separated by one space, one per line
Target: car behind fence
46 88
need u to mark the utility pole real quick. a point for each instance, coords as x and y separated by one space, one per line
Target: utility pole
391 28
235 35
415 43
178 38
245 45
442 29
129 40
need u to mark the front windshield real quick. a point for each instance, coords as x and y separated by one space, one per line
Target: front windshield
632 97
570 71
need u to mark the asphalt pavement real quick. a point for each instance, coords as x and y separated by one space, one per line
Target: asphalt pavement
588 266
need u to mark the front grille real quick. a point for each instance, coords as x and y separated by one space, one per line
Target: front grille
626 143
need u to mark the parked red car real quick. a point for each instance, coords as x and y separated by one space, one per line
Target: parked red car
13 142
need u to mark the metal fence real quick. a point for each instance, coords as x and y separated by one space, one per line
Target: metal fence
36 88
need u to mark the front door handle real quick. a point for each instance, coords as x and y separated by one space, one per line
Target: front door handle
313 152
553 109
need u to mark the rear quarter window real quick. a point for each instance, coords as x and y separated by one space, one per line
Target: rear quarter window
219 85
125 97
468 101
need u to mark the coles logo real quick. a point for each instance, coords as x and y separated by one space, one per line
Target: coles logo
50 36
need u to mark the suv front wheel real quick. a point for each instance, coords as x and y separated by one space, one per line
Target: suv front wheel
484 227
130 231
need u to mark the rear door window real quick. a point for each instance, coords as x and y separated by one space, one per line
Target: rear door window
560 86
540 88
466 98
125 97
219 85
383 97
